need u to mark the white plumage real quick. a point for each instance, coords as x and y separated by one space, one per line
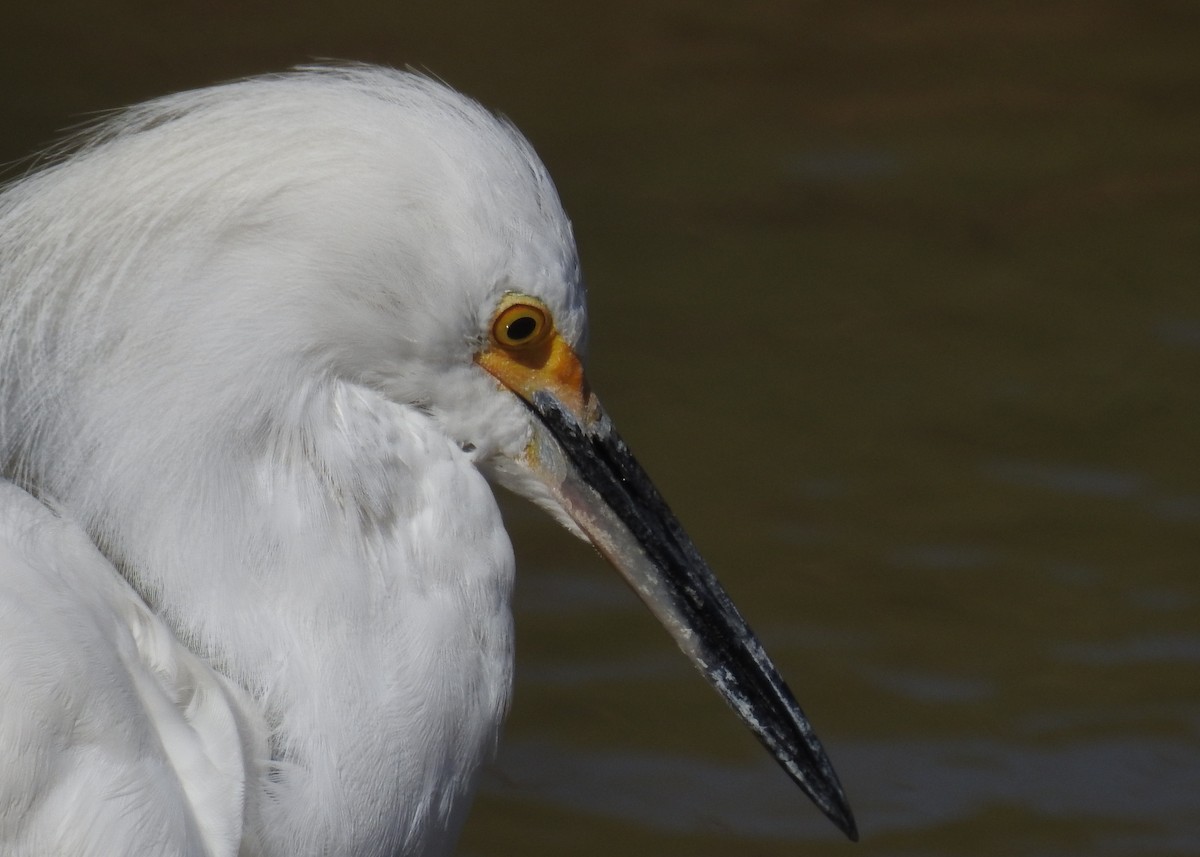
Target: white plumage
113 733
260 605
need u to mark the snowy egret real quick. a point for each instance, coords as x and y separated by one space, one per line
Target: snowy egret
263 347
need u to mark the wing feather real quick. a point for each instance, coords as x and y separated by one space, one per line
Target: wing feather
116 738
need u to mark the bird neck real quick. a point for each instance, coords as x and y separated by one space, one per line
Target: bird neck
348 568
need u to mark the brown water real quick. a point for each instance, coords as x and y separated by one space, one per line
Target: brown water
899 303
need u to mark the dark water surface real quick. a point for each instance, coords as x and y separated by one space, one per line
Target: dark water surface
900 305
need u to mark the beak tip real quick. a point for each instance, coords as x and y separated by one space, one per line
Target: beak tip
810 768
831 800
844 819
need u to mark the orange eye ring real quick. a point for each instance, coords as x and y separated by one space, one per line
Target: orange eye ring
522 324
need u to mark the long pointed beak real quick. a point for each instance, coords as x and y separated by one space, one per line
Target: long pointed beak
587 468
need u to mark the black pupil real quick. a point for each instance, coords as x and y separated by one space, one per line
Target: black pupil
521 328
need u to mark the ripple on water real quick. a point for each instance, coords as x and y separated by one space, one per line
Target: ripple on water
1081 481
1097 482
1142 649
1134 793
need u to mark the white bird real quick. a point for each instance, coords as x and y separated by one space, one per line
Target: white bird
263 346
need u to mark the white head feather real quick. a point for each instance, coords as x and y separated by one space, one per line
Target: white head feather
212 252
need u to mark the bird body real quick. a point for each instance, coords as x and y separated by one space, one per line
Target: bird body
387 608
254 373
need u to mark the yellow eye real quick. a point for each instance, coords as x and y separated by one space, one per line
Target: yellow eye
522 324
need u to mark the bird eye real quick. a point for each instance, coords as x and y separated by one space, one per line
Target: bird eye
522 325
